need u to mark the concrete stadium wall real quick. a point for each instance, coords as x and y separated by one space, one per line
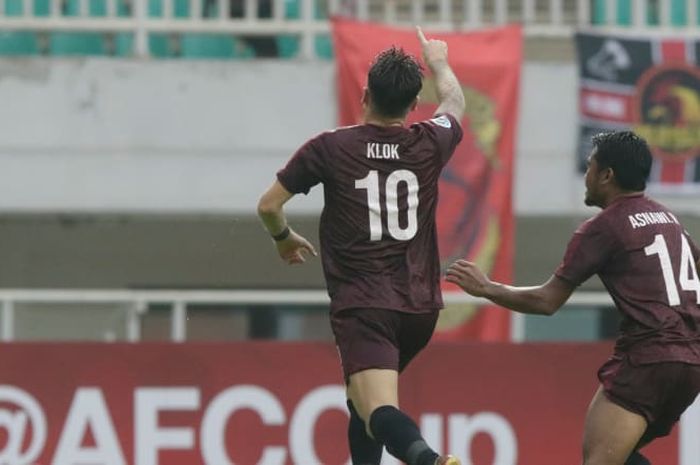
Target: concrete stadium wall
107 135
146 174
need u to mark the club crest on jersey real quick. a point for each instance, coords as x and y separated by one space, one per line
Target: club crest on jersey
443 121
382 151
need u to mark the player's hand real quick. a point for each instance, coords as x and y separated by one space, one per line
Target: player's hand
469 277
294 248
434 51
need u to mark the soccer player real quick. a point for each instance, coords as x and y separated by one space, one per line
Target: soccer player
648 264
378 240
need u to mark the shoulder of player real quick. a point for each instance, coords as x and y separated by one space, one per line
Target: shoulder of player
319 140
600 222
634 205
341 130
332 135
442 120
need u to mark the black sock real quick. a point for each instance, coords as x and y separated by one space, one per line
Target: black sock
401 436
363 449
637 459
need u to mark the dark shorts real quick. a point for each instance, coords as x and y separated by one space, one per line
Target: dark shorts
660 392
378 338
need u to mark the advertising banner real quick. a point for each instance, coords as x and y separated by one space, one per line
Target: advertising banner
284 403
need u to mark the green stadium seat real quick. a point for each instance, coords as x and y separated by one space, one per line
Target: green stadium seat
209 46
288 45
41 7
624 13
17 42
206 46
77 43
181 8
191 46
97 8
159 46
324 46
623 7
13 7
123 45
678 12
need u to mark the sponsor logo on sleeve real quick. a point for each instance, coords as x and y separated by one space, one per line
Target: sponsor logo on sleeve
443 121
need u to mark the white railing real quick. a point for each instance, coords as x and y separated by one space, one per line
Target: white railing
136 302
555 18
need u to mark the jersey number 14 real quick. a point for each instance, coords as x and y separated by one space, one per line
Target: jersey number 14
688 275
391 196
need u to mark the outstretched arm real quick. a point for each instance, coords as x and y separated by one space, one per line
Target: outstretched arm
449 92
544 299
291 246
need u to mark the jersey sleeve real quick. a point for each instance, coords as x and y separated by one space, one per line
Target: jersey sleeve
447 133
588 251
304 170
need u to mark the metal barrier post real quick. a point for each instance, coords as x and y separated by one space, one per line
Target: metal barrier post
140 33
8 321
179 321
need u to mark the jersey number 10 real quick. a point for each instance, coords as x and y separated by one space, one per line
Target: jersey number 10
391 195
688 275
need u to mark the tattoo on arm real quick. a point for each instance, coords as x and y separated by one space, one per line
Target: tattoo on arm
449 91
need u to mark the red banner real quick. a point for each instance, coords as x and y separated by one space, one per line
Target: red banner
475 217
265 404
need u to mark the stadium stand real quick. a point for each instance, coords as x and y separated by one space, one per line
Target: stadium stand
207 29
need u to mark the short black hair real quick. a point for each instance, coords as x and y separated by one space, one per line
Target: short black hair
627 154
394 80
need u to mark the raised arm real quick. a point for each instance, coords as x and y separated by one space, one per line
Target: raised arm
544 299
449 91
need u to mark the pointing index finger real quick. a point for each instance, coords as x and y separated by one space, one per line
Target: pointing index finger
421 36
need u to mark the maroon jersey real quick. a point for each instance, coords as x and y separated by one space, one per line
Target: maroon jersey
647 262
377 230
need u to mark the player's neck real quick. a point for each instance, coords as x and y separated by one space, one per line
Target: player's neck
620 195
371 118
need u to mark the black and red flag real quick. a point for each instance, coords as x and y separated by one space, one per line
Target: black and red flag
652 86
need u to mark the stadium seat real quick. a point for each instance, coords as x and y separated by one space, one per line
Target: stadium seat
17 42
678 13
78 43
624 13
208 46
288 45
191 46
41 7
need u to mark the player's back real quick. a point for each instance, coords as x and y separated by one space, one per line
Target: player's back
653 278
377 230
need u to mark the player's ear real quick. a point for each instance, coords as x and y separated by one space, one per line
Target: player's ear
365 97
415 103
608 175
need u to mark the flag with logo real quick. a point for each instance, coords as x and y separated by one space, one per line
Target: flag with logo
474 215
650 85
